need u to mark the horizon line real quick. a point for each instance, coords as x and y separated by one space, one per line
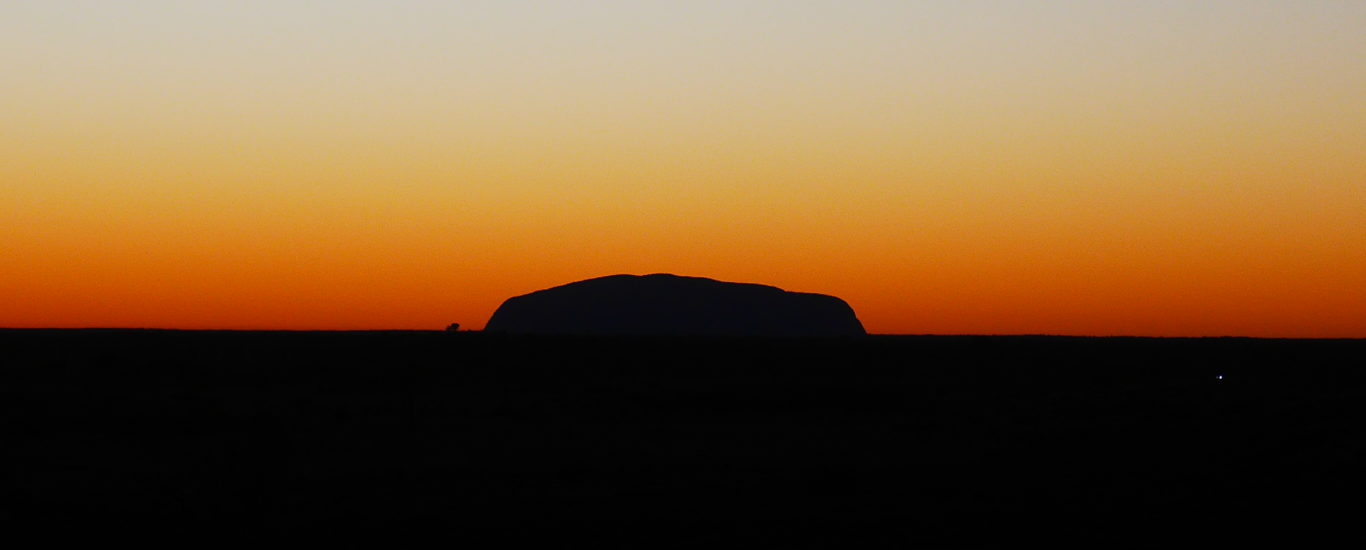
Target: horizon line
871 334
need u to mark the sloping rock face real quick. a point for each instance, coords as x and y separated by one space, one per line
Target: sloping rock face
663 304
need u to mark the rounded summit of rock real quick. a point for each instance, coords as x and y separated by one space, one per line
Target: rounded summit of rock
666 304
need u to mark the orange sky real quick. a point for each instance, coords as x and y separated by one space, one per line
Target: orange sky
1099 168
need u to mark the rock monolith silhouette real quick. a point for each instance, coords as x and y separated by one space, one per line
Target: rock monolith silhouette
663 304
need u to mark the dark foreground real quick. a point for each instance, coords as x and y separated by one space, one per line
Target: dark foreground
949 442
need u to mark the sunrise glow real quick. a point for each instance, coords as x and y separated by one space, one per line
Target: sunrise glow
1167 168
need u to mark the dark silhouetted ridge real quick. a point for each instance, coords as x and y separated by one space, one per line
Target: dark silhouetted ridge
663 304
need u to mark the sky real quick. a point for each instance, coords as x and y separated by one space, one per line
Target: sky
1096 167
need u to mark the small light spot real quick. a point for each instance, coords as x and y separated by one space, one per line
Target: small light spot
1221 377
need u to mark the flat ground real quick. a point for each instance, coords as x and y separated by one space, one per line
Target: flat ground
947 441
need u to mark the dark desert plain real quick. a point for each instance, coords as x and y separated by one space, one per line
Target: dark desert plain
945 273
941 441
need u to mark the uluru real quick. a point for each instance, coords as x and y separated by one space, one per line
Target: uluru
665 304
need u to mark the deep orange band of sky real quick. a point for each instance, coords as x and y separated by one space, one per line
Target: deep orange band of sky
986 167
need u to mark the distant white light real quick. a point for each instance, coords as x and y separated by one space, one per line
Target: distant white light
1221 377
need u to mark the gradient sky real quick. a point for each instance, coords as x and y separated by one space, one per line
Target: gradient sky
1093 167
